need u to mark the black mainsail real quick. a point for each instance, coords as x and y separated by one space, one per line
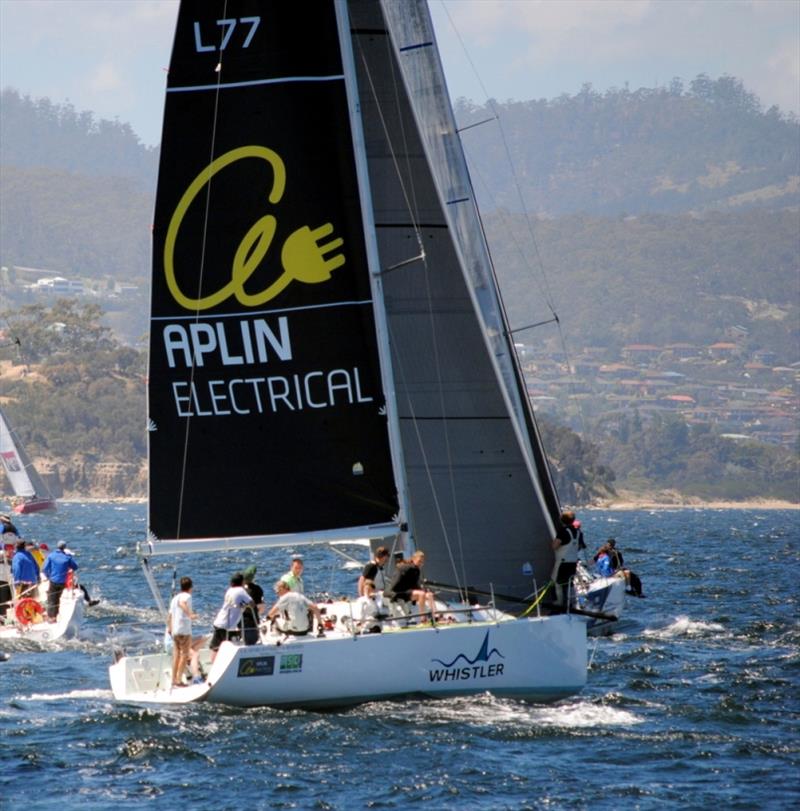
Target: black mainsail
266 405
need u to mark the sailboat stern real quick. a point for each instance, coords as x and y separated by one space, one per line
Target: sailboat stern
148 680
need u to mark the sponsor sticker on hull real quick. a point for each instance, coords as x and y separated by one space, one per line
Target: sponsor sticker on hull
463 668
256 666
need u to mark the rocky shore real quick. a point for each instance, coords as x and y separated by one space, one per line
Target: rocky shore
673 499
81 478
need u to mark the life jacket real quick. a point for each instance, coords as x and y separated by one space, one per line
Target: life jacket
569 551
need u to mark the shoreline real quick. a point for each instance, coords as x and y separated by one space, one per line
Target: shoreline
626 503
632 503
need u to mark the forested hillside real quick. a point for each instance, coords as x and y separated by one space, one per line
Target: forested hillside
76 225
676 149
655 216
36 133
655 278
76 398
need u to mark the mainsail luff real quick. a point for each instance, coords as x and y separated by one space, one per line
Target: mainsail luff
472 476
265 396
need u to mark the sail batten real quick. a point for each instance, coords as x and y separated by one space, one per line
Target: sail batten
255 83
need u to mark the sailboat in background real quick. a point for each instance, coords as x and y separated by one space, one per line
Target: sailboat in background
31 494
330 360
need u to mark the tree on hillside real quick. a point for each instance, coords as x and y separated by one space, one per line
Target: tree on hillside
67 328
664 451
578 475
88 396
39 133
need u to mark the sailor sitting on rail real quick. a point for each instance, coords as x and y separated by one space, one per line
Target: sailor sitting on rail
368 610
294 611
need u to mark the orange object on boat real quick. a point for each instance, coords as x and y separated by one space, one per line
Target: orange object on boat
29 610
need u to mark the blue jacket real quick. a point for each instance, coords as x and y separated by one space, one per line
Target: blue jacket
24 568
57 566
603 566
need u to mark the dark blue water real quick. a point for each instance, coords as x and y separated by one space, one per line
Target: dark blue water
693 704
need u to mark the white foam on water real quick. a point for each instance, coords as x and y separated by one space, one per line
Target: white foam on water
506 713
583 714
104 694
684 626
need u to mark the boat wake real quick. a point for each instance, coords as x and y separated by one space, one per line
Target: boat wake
683 626
79 694
506 714
583 714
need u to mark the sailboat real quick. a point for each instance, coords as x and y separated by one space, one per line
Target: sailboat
30 492
330 361
24 617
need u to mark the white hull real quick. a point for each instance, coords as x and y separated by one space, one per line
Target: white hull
604 595
70 619
538 659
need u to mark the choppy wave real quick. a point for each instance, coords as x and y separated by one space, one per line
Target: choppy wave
692 705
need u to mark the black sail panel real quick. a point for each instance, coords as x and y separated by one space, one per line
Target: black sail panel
481 505
265 399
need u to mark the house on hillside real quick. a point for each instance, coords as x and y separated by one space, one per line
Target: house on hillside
682 351
640 353
57 286
678 401
723 350
737 333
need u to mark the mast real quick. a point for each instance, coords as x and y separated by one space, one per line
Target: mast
373 259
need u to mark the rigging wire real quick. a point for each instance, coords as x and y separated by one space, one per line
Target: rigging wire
203 244
545 286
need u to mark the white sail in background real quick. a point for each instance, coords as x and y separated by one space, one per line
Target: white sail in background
14 464
31 494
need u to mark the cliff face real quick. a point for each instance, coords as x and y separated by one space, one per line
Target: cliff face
84 478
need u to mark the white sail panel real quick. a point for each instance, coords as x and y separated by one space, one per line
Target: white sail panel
14 463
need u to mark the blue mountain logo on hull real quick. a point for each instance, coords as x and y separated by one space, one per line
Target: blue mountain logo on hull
478 667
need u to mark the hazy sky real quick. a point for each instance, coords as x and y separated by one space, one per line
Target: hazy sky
109 56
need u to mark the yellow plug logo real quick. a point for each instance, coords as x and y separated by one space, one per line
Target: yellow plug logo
308 255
